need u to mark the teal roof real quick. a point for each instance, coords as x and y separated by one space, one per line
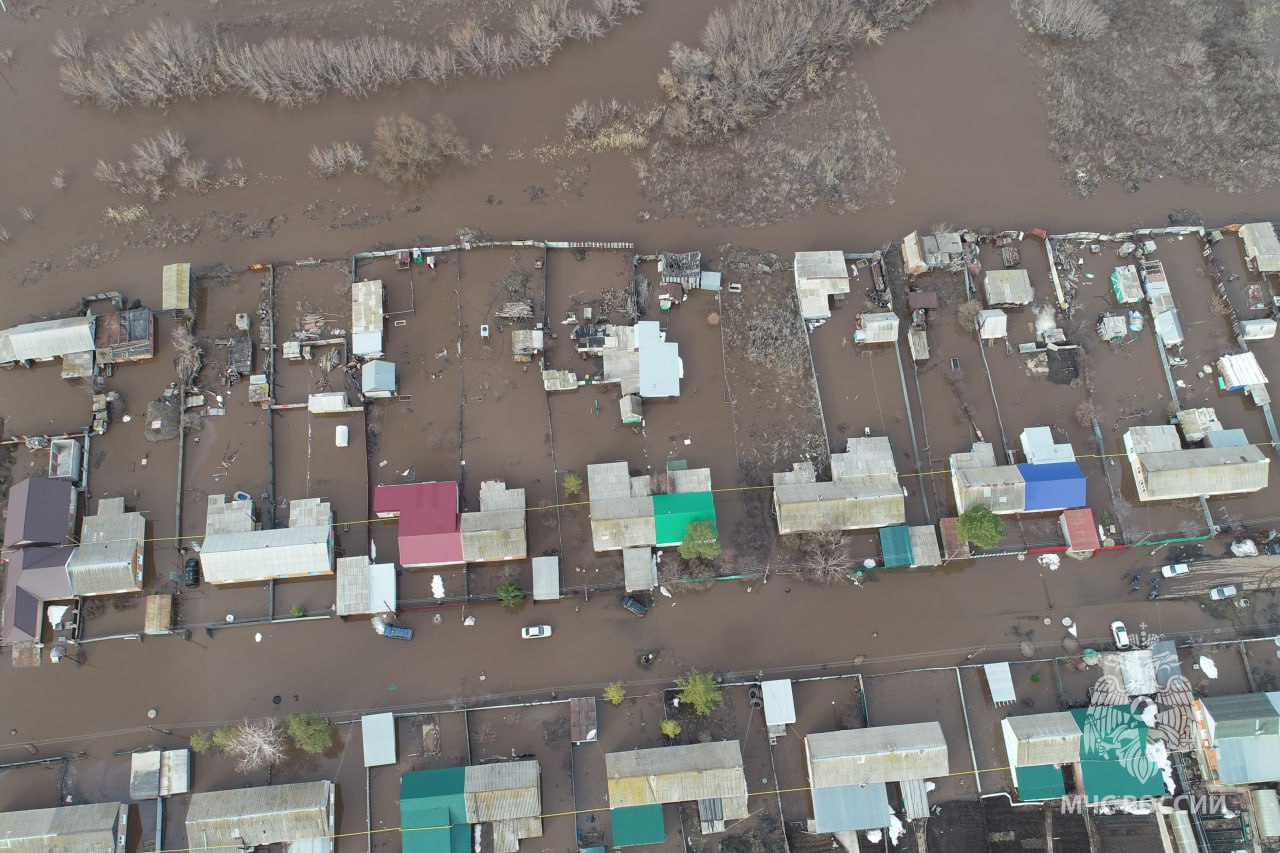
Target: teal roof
1042 782
433 812
673 513
1113 754
635 825
895 544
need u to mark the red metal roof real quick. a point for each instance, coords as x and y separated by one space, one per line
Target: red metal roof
952 547
430 525
1082 533
922 299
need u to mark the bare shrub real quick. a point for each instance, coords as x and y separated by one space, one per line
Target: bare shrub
69 46
27 214
115 174
4 234
256 744
59 179
174 145
337 158
1081 20
1087 412
190 355
407 151
193 175
1191 56
967 315
151 159
824 556
6 56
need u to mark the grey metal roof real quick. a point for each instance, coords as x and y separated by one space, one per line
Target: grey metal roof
638 572
1245 760
378 736
274 814
1034 740
915 798
1000 488
508 833
1261 245
159 773
109 557
263 554
677 774
49 339
1195 423
878 754
366 318
688 480
925 550
223 516
1008 287
607 480
868 461
1000 683
493 536
847 808
835 506
879 328
502 791
1173 474
365 588
1266 812
1134 669
819 275
546 578
1242 715
68 829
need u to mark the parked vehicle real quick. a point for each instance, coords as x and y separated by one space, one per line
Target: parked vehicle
1120 634
1218 593
634 605
535 632
1175 570
1273 548
191 572
386 629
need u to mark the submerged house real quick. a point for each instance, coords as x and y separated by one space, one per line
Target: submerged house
441 810
236 550
646 511
299 817
641 781
1050 480
108 560
39 521
849 774
92 828
820 276
1164 470
863 493
432 531
47 340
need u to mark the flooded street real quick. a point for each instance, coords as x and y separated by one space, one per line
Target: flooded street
959 98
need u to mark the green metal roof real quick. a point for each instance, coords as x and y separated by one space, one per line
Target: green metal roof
433 812
1113 754
673 513
1042 782
895 544
635 825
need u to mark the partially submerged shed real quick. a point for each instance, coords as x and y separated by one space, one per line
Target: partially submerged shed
159 773
378 379
175 288
298 815
108 560
993 324
879 328
639 569
365 587
819 276
366 319
546 578
93 828
1008 287
1261 248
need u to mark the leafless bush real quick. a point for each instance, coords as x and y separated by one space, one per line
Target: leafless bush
69 46
116 174
27 214
256 744
59 180
1191 56
151 159
193 175
190 355
336 158
824 556
967 315
1081 20
407 151
1087 412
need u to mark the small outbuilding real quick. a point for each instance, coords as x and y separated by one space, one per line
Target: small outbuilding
159 773
1261 247
546 578
993 324
639 569
779 706
819 276
366 319
127 335
378 379
1126 285
881 328
299 816
175 288
1008 287
378 735
365 588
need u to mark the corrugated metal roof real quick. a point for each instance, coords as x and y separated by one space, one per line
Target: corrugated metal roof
638 571
175 287
507 834
329 403
494 536
1242 715
818 276
1001 488
1038 739
1248 760
993 324
831 506
502 791
378 735
223 516
275 814
1008 287
68 829
158 773
109 557
1201 471
1266 812
1080 530
287 552
878 328
779 702
622 523
868 461
608 480
847 808
1052 486
365 588
879 754
50 339
1261 246
1241 370
677 774
1000 683
366 318
924 547
583 720
546 578
915 798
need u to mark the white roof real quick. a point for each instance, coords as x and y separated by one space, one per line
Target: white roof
546 578
366 319
328 403
1241 370
879 328
819 275
47 339
378 376
779 702
1261 245
660 367
378 731
1000 682
992 323
1038 446
365 587
261 555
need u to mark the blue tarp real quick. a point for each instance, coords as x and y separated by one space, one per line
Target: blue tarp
1053 485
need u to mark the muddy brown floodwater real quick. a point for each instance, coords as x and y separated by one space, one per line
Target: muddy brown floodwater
959 99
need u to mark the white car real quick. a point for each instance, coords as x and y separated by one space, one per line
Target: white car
535 632
1175 570
1220 592
1120 634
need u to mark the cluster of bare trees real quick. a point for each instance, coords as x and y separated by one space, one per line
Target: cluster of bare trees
408 151
173 61
336 158
156 160
1079 20
759 54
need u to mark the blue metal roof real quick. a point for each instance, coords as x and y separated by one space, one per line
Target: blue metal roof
845 808
1053 485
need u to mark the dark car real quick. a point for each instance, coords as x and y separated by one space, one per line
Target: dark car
191 572
634 605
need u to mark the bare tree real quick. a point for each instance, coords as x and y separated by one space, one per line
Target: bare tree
193 175
255 744
1081 20
190 354
824 556
69 46
407 151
